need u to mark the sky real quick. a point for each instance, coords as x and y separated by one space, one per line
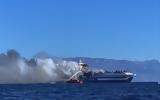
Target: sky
114 29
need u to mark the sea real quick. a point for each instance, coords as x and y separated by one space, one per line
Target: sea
85 91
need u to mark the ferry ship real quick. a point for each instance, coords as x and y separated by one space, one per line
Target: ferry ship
85 75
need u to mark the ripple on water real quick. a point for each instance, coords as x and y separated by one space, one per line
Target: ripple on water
80 92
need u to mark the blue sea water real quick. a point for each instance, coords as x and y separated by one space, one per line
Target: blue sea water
89 91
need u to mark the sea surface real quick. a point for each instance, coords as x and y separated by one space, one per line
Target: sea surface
89 91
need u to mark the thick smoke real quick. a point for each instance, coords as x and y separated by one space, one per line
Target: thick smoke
40 69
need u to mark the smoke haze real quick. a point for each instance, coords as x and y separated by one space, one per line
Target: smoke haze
40 69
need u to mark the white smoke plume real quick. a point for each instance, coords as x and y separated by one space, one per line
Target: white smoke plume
16 69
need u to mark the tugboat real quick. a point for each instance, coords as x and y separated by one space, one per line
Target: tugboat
85 75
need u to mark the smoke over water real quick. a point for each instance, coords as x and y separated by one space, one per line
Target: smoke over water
16 69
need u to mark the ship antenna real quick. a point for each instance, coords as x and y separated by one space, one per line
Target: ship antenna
80 61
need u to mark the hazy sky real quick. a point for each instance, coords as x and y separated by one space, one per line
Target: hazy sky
119 29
